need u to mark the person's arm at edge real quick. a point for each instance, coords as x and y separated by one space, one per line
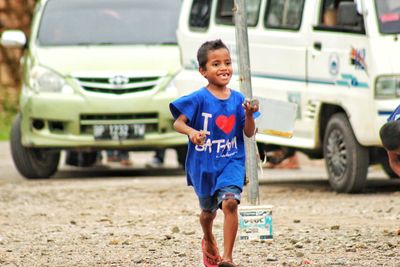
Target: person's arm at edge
394 162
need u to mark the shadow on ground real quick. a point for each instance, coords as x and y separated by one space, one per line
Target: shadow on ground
105 172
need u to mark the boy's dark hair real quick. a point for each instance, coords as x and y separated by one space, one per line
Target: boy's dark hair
202 53
390 135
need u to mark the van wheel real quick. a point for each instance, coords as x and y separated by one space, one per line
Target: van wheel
346 160
181 152
32 163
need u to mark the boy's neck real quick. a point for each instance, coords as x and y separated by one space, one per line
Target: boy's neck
219 92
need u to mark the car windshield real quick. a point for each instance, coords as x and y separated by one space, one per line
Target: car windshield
109 22
388 12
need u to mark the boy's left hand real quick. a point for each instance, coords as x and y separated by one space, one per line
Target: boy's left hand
251 106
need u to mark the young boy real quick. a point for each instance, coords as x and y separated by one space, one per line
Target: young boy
214 118
390 136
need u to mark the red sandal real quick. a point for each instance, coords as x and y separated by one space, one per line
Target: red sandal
208 259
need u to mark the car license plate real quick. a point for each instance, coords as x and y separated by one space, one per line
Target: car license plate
119 131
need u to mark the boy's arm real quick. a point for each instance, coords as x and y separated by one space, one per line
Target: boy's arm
249 124
394 162
196 137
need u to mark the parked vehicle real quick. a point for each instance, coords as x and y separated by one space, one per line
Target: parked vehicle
96 75
338 60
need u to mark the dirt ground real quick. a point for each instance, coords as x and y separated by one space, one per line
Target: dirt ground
114 216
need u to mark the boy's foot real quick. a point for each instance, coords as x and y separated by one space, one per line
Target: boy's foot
209 260
227 263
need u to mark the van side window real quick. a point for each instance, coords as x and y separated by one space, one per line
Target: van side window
225 15
200 14
340 16
284 14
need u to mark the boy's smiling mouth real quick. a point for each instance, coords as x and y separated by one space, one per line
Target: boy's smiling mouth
225 75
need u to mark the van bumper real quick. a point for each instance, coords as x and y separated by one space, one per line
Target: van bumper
51 120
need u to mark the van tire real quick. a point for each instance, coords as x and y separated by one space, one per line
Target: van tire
32 163
345 159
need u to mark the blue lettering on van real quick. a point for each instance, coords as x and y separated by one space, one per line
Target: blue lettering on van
347 80
351 81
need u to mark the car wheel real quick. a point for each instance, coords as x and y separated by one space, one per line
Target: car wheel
32 163
346 160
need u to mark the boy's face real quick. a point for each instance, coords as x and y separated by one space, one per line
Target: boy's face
218 70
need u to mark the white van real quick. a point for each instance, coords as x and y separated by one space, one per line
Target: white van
337 59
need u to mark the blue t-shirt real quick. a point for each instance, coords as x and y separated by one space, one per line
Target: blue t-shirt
395 115
220 162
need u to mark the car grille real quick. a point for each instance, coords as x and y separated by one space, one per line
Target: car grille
118 84
87 121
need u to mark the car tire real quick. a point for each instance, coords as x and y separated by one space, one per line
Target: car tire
32 163
346 160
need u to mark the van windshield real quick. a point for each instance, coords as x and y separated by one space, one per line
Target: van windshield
109 22
388 15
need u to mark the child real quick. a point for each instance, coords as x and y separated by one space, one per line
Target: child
214 119
390 136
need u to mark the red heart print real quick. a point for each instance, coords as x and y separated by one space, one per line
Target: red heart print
226 123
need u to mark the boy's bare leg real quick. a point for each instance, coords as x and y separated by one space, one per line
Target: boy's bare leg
229 207
206 221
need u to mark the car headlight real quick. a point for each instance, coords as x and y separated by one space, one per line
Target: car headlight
171 87
387 87
46 80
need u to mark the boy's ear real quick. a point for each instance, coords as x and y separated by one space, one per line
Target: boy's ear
203 72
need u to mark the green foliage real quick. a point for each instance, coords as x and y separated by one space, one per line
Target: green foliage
5 125
8 110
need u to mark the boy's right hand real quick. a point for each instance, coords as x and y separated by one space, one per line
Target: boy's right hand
251 105
198 137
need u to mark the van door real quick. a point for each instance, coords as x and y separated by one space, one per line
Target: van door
337 52
338 83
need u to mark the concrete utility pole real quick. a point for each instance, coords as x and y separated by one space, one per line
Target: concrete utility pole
242 48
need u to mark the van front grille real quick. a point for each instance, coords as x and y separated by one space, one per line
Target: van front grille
111 117
118 84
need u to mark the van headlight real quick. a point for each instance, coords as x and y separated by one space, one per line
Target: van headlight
387 87
45 80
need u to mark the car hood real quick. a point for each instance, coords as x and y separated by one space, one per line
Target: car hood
69 60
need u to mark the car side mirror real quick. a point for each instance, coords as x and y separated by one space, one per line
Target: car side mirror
13 38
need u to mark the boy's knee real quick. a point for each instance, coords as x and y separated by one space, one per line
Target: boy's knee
208 215
230 205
